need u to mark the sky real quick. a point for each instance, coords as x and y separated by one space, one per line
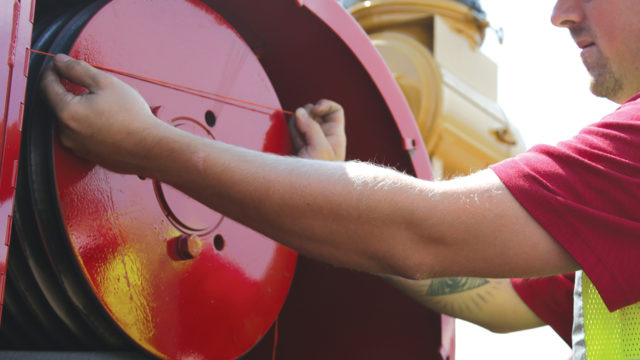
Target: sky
544 90
543 86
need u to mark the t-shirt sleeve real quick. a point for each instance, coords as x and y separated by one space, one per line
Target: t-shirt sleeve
551 298
586 193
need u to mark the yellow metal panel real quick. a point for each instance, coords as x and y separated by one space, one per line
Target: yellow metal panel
432 48
417 74
453 53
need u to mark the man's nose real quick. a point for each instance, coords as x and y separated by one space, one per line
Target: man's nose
567 13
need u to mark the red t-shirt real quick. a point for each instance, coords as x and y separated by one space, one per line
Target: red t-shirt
586 193
551 298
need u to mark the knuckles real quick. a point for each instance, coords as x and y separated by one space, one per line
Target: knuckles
68 115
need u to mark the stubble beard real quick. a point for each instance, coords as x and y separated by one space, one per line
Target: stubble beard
604 81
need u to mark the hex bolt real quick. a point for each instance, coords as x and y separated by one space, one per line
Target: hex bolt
184 247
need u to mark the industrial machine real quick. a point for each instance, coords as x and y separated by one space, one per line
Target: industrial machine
432 49
102 264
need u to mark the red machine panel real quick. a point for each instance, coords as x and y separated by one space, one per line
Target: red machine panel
15 37
218 304
183 281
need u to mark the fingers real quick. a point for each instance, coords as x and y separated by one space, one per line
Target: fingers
333 126
79 72
304 129
297 140
331 117
317 131
308 108
53 89
328 110
309 128
73 70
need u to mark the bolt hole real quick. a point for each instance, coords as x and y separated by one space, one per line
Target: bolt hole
218 242
210 118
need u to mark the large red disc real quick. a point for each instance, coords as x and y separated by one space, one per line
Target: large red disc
220 303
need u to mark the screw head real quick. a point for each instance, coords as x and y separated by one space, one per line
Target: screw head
184 247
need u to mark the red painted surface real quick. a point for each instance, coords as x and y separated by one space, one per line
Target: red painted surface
314 49
371 61
15 37
219 304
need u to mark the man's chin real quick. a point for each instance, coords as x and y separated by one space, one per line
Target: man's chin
610 88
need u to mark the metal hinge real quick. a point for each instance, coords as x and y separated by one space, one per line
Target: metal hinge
14 34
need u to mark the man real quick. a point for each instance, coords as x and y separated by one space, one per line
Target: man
610 55
552 210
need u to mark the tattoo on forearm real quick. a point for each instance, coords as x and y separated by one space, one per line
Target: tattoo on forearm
448 286
459 306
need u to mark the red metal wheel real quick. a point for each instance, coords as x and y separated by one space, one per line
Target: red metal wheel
126 231
119 226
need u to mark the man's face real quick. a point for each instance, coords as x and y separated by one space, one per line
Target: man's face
608 32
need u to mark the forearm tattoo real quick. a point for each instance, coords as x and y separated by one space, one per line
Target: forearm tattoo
448 286
461 305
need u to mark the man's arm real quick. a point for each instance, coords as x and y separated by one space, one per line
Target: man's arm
318 133
490 303
349 214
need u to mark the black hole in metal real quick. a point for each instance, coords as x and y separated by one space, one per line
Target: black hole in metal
218 242
210 118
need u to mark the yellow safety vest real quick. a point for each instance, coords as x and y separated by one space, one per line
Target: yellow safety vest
608 335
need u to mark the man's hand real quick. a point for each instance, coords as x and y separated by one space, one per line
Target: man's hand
110 124
317 131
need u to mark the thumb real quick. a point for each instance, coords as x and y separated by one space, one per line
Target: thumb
79 72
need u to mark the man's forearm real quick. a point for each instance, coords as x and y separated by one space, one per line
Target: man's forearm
349 214
490 303
362 216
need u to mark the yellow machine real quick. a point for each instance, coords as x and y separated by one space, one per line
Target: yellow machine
432 48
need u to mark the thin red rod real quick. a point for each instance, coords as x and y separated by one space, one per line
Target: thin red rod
178 87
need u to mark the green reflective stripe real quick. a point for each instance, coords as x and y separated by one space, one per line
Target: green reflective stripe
609 335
